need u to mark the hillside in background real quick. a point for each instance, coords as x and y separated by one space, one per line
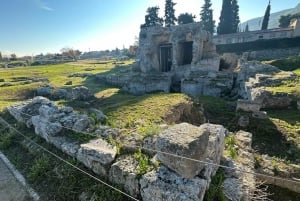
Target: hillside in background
255 24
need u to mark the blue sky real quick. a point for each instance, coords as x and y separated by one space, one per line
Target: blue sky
41 26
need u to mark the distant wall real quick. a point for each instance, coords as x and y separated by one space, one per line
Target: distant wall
239 48
273 54
244 37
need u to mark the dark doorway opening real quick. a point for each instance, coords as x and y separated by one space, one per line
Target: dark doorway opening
166 57
185 53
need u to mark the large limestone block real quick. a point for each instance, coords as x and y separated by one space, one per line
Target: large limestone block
184 140
22 112
81 93
166 185
214 150
269 100
124 173
97 155
44 128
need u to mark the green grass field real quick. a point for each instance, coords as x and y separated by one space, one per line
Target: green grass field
122 108
21 87
291 87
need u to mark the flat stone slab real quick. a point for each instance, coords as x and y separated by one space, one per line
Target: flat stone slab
184 140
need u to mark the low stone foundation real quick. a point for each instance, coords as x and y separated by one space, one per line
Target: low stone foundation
175 178
248 106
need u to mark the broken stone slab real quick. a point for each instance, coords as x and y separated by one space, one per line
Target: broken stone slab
166 185
244 121
84 123
101 117
124 173
60 94
97 155
260 115
214 150
70 148
81 93
269 100
247 106
44 91
232 189
45 128
24 111
204 143
184 140
237 184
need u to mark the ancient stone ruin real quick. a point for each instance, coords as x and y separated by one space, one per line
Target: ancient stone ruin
175 178
178 58
165 49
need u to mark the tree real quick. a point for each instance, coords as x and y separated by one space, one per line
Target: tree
235 14
152 19
186 18
206 16
226 19
266 17
70 52
247 28
170 18
0 56
285 20
13 57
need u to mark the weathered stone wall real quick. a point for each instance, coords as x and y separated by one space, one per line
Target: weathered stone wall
248 106
271 54
239 185
252 82
146 83
207 83
182 179
152 38
250 36
174 179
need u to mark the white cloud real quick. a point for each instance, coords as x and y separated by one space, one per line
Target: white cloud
42 5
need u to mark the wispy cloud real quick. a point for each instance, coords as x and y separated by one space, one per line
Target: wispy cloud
43 5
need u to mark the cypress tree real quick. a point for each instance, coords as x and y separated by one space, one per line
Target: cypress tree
206 16
152 19
226 18
247 28
170 18
266 17
186 18
235 15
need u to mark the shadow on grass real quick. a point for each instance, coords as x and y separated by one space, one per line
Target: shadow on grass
269 139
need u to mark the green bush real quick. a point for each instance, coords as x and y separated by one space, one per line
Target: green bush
6 140
230 145
149 130
215 191
288 64
143 160
39 169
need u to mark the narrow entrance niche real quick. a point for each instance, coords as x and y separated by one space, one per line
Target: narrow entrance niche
165 57
185 50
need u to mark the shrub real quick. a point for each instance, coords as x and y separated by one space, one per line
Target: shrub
149 130
230 145
6 140
39 169
143 160
215 191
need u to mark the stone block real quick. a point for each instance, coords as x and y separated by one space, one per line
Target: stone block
166 185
